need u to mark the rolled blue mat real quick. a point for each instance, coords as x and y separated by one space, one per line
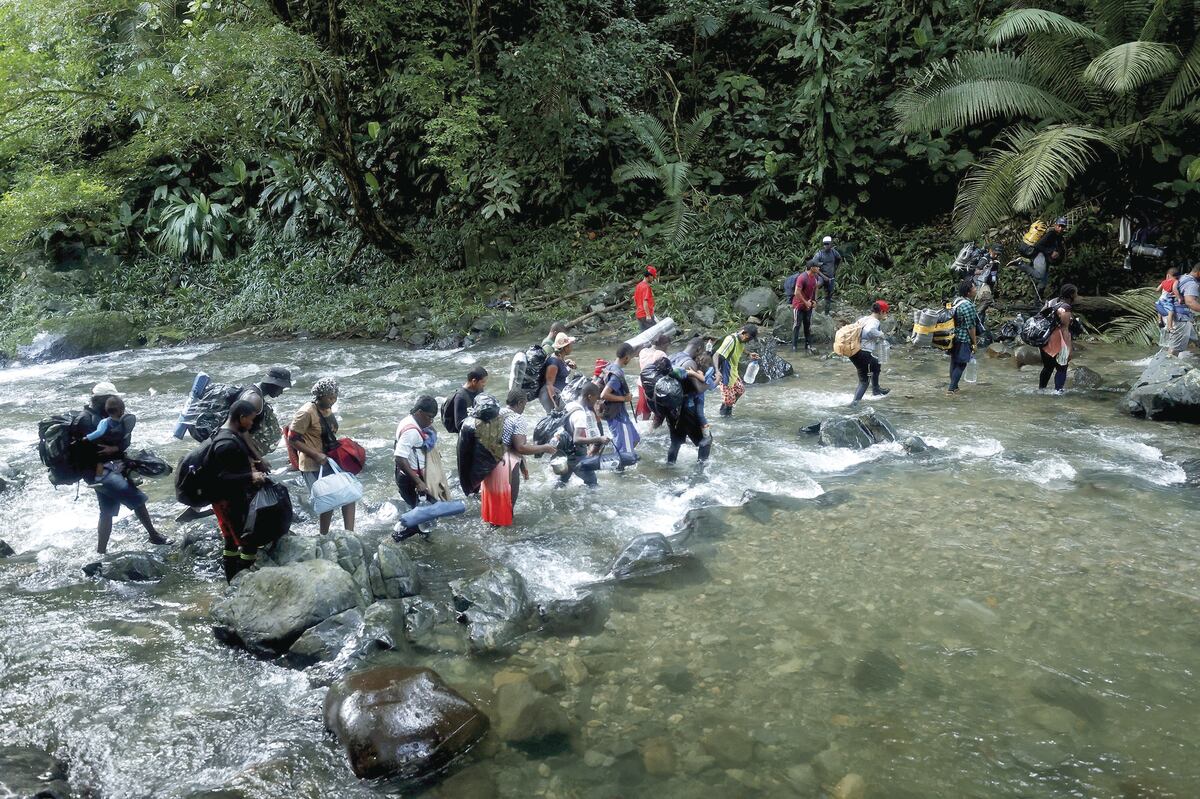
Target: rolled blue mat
427 513
198 385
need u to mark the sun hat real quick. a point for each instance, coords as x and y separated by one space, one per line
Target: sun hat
278 376
563 340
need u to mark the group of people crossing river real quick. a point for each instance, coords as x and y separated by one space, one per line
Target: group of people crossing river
590 421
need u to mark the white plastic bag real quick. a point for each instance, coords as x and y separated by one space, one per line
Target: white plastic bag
1064 356
335 489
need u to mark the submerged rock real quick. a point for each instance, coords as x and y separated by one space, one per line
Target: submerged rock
325 641
5 550
128 567
914 445
877 671
1057 690
584 614
859 431
650 556
268 609
1083 377
496 608
27 772
433 626
392 573
401 722
1167 391
526 715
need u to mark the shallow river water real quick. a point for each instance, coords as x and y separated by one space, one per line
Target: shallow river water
1013 614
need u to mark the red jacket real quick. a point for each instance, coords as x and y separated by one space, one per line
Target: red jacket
643 295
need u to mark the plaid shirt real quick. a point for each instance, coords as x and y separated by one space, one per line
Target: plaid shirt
965 318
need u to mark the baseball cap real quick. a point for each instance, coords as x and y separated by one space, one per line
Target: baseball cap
827 240
279 376
105 389
883 306
651 270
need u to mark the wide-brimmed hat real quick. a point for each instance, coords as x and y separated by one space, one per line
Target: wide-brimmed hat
278 376
563 340
105 389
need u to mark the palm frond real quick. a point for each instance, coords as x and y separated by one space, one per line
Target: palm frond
985 195
1019 22
675 178
759 12
976 87
1060 63
638 169
1051 157
1139 322
1118 19
653 134
1161 13
690 136
1131 65
1187 80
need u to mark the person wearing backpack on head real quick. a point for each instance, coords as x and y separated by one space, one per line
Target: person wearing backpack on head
113 488
616 397
804 302
233 473
1056 353
727 360
866 359
454 411
1184 312
313 432
966 327
643 299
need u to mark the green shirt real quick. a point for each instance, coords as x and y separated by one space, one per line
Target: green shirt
731 350
965 318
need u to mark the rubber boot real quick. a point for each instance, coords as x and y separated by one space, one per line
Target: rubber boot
230 564
726 410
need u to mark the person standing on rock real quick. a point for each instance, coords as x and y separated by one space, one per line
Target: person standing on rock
616 397
804 301
688 424
113 488
414 440
727 359
236 475
557 366
277 380
966 321
643 299
867 359
829 259
1184 312
313 432
1056 354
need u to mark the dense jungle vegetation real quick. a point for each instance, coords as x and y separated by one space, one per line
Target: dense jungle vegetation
206 164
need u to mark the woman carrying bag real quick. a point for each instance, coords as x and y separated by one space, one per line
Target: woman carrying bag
1056 354
313 432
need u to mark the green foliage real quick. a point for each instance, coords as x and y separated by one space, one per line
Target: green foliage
53 203
1138 320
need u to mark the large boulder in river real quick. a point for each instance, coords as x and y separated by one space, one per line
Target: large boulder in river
650 556
496 608
1167 391
268 609
128 567
325 641
1028 356
5 550
78 335
755 302
392 573
1084 378
30 773
526 715
859 431
401 722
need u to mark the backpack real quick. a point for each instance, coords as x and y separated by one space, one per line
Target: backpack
789 286
668 396
847 340
535 371
1039 327
195 482
451 422
1032 236
573 390
57 437
966 259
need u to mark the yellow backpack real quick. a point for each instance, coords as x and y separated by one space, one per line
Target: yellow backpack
1035 232
847 341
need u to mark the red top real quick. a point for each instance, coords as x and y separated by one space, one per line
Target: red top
643 296
1168 284
806 289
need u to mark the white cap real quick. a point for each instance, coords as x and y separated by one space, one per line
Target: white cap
827 240
105 389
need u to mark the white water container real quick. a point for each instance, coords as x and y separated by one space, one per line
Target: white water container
751 373
971 373
884 349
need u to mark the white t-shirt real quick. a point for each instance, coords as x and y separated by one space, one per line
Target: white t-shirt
580 417
872 336
410 444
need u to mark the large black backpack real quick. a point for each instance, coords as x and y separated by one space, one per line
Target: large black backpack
535 371
195 477
449 420
789 286
668 396
1039 327
58 437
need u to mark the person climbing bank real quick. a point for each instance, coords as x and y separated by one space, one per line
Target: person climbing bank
829 259
727 359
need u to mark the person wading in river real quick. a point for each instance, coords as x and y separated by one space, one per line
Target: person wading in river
1056 354
454 413
584 429
500 489
313 432
643 299
277 380
687 423
615 398
871 343
557 366
727 360
966 321
235 475
411 453
113 488
804 302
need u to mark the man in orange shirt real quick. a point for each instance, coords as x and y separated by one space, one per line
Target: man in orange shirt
643 299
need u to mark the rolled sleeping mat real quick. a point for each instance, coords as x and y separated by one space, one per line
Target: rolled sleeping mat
666 326
423 514
516 372
198 385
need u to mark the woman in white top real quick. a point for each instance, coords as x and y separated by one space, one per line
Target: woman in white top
866 360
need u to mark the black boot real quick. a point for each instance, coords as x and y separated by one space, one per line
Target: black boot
230 564
726 410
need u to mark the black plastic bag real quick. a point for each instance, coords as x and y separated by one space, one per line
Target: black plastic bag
270 516
147 464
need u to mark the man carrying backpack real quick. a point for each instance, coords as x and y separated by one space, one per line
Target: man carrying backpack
454 411
277 380
727 360
113 488
687 424
829 259
233 474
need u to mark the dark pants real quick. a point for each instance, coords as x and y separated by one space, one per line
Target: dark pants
687 426
1050 366
645 323
960 356
867 366
588 476
231 520
801 317
828 293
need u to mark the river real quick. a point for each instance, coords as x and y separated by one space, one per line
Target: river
1013 614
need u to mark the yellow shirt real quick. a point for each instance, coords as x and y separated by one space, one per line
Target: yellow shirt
307 424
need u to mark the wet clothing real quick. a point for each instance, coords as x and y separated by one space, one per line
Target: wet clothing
233 473
317 429
871 339
579 418
1050 365
643 295
732 386
560 382
687 426
868 369
113 489
624 433
410 444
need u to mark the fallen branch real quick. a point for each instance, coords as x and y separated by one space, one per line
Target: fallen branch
562 297
590 314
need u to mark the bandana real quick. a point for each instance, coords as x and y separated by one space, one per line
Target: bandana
325 387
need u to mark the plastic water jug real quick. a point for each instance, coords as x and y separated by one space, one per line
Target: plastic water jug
971 373
751 373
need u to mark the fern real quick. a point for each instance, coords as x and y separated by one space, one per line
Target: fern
1139 322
